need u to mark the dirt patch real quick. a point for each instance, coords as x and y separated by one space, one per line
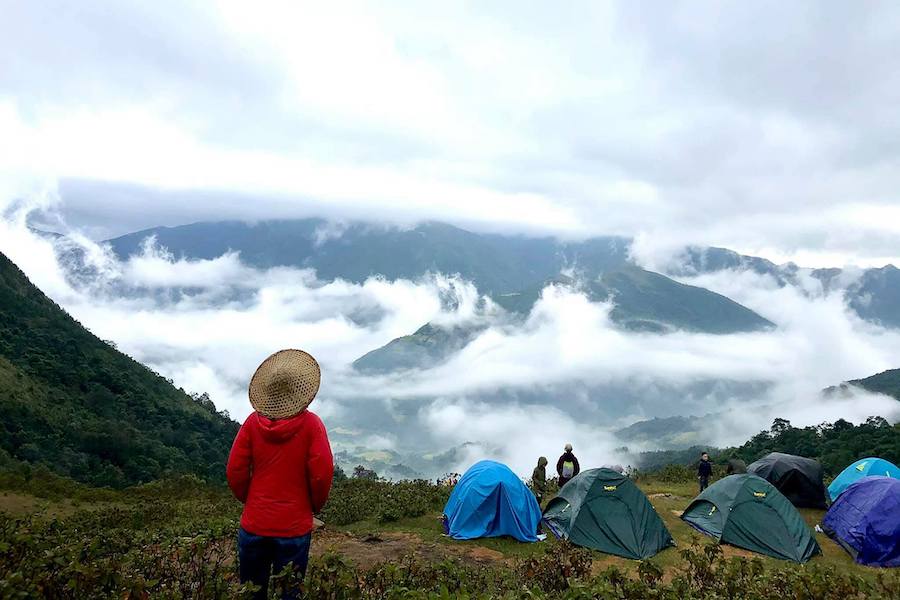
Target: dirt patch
486 554
366 550
731 551
604 561
677 513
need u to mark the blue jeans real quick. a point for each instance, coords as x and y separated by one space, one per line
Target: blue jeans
258 556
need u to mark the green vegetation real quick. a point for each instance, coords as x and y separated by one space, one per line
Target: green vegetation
176 539
887 382
362 498
835 445
73 404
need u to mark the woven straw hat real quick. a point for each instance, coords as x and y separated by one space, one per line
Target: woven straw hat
285 384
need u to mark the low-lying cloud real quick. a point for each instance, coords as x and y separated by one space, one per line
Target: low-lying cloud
518 390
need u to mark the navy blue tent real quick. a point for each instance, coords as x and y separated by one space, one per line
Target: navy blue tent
865 521
490 501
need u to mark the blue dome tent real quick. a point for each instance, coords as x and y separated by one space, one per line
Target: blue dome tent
864 467
491 501
865 521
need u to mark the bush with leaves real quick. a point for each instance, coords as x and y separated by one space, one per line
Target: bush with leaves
385 501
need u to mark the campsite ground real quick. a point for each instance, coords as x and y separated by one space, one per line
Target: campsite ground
368 542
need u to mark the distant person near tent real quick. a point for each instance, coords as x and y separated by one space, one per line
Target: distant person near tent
704 471
567 466
539 479
280 468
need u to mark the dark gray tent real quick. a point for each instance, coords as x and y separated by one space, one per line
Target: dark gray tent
736 466
798 478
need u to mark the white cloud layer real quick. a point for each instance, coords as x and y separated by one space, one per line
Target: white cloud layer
767 127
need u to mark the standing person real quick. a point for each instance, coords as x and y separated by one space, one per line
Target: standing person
567 466
539 479
280 468
704 470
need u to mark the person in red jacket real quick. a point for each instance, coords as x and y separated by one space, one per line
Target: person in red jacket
280 468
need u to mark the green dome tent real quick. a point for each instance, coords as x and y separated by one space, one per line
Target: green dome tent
748 512
604 510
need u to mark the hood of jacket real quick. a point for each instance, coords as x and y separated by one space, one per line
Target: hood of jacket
542 462
278 431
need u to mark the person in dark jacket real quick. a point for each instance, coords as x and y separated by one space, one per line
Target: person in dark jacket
280 467
567 466
704 471
539 479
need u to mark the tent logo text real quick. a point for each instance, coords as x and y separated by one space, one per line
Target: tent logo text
609 488
759 494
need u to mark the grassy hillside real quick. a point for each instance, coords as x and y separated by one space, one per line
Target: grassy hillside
176 539
74 404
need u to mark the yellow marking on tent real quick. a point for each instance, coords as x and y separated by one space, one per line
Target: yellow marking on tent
712 511
861 467
759 494
609 488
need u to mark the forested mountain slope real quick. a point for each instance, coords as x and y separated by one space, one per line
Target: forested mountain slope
75 404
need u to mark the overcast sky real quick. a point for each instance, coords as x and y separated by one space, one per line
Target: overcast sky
767 127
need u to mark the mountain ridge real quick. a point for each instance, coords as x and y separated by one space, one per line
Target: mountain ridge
497 264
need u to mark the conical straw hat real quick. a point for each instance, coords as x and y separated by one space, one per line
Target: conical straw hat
285 384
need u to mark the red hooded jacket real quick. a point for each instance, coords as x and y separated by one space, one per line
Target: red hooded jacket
281 470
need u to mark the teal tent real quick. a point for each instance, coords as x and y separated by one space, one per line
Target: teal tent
748 512
604 510
864 467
